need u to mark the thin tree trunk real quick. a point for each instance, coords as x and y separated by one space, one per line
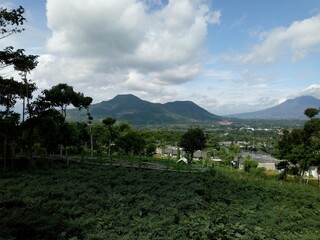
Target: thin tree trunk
190 158
91 142
12 154
60 150
66 151
23 108
24 78
4 153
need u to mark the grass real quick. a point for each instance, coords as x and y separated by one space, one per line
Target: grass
110 202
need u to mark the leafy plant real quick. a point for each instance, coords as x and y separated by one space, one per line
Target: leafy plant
249 164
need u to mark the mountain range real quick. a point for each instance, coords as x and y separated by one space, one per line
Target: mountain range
290 109
137 111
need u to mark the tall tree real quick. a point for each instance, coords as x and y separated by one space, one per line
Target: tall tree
299 148
131 142
11 22
194 139
24 64
43 110
109 122
63 95
311 112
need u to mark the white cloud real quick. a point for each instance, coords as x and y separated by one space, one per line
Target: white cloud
294 42
7 4
144 47
122 31
312 90
220 75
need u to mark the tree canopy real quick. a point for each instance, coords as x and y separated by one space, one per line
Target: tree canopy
194 139
62 95
45 127
311 112
299 148
11 21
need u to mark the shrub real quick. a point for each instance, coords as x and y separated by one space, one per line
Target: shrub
249 163
259 172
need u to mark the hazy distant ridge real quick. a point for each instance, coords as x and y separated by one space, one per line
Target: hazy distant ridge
290 109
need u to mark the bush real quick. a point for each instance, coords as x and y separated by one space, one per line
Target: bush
259 172
249 163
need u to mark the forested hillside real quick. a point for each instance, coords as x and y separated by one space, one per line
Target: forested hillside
137 111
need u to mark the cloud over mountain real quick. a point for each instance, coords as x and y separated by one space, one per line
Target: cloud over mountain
125 45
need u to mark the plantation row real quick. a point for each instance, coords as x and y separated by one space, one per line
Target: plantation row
105 202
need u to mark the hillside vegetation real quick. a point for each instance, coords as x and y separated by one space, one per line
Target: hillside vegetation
139 112
104 202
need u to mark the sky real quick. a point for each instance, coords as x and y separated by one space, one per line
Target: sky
227 56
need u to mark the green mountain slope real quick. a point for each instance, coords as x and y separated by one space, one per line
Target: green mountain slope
190 110
137 111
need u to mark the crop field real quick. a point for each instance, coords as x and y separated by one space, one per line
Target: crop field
108 202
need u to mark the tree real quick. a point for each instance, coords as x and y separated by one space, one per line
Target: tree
131 142
62 95
9 93
109 122
291 148
193 140
10 89
311 112
8 134
151 149
249 163
299 149
47 129
10 21
79 136
24 64
21 62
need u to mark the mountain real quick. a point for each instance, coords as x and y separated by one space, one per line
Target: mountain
137 111
290 109
190 110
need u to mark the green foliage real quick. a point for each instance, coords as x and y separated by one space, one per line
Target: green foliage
283 165
131 142
109 121
249 164
10 20
151 149
193 140
300 147
92 202
62 95
139 112
10 91
311 112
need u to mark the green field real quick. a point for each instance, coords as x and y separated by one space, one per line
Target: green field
108 202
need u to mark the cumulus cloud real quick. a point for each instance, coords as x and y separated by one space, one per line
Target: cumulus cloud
312 90
294 42
144 46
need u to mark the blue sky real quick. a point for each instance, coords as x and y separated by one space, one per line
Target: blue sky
228 56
